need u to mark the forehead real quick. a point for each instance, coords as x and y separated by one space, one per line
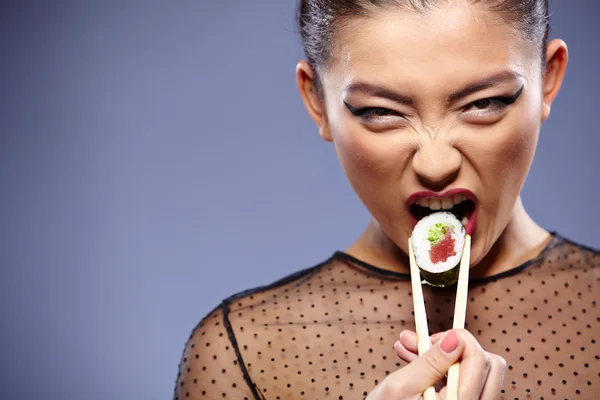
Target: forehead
453 42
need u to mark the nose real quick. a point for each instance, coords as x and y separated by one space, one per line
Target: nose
437 165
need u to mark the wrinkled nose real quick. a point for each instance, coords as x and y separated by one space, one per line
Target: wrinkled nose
437 165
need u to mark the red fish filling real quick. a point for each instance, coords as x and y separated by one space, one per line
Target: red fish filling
444 249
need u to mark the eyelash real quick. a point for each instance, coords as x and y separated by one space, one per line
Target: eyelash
370 113
498 103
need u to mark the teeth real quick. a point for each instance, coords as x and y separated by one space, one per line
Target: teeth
447 203
464 221
435 204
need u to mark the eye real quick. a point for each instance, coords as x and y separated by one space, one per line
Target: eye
482 104
487 105
492 105
372 113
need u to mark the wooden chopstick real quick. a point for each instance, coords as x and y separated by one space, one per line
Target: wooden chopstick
423 341
460 308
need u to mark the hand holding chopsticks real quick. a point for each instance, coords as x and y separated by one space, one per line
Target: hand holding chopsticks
427 363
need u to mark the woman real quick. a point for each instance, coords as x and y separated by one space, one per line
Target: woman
428 103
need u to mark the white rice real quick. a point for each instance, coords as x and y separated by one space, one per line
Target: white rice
422 247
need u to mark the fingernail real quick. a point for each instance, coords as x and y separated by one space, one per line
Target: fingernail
450 342
395 344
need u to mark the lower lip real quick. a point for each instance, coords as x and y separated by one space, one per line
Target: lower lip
472 224
469 229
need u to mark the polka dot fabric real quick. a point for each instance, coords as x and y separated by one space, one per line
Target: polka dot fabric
327 332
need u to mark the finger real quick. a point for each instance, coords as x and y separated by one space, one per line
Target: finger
427 369
436 337
495 378
409 341
442 392
404 353
474 368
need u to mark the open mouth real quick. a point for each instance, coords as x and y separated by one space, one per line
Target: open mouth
463 205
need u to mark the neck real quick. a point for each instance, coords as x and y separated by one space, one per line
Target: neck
521 240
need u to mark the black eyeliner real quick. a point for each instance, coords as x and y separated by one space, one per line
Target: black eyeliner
371 113
354 111
513 98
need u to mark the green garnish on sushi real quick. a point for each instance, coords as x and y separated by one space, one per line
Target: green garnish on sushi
437 232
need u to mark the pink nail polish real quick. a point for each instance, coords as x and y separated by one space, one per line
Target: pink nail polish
450 342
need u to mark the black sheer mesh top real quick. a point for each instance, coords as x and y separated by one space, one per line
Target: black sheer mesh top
327 332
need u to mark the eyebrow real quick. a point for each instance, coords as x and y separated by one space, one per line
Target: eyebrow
379 91
483 84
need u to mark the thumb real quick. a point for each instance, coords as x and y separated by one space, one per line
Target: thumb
432 366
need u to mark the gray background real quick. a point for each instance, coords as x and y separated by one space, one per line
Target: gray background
155 158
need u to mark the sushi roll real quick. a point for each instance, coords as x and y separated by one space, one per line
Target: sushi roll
438 242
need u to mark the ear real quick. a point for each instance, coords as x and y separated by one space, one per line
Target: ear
557 58
312 101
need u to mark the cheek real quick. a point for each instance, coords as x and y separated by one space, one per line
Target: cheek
519 147
520 150
503 158
363 159
372 162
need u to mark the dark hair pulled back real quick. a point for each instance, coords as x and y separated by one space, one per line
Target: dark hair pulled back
318 21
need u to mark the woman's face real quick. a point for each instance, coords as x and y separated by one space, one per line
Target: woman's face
427 109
